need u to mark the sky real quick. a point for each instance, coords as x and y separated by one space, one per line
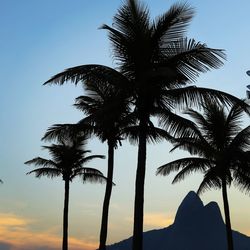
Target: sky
43 37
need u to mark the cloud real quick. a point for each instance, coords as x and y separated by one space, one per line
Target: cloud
16 234
157 220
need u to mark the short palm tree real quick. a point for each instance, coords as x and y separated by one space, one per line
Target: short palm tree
107 115
222 147
68 160
155 62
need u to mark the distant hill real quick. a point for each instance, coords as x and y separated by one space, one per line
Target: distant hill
196 227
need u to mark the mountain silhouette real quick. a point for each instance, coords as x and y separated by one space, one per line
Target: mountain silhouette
196 227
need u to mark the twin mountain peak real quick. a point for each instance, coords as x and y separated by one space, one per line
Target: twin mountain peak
196 227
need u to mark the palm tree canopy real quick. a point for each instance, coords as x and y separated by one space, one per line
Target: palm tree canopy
159 61
107 108
149 53
68 159
155 63
139 44
221 144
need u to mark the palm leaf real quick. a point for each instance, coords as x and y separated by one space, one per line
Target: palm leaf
87 72
38 161
93 178
200 165
90 158
176 165
192 58
210 180
172 25
242 179
241 140
49 172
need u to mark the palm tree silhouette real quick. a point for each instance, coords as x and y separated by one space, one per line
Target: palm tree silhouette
107 116
158 61
67 160
155 62
223 150
107 112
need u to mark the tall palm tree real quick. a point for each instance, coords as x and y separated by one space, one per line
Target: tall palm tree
67 160
159 61
155 62
222 147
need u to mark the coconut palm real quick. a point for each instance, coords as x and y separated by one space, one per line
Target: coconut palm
67 160
107 115
159 61
221 149
155 62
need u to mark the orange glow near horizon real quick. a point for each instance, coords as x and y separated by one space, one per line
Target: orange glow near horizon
157 220
17 232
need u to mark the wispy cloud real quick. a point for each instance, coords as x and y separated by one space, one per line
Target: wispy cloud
156 220
16 234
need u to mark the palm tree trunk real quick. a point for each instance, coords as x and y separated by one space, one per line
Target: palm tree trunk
227 216
65 216
105 209
139 189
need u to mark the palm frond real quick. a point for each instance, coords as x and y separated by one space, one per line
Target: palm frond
198 166
192 96
241 140
86 159
49 172
87 72
172 25
93 178
242 179
209 181
192 58
38 161
62 132
153 134
195 146
175 125
176 165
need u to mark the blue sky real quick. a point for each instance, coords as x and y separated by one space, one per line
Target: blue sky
42 38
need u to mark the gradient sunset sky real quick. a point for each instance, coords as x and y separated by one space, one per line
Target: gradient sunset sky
40 38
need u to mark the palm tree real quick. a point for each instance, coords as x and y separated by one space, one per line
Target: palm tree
107 115
158 61
155 63
68 159
222 147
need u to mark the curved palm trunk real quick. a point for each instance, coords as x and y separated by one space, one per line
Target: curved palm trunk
139 189
227 216
105 209
65 216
